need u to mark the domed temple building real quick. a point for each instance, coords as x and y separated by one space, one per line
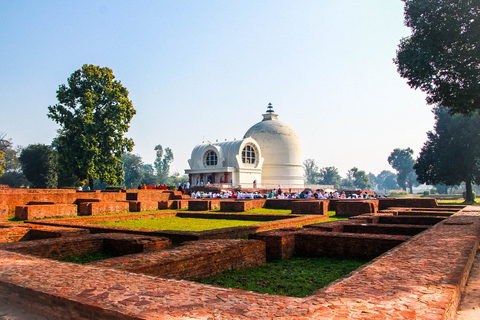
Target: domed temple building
269 155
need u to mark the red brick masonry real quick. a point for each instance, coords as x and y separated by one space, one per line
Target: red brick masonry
420 279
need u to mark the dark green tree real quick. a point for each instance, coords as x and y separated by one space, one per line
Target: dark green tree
149 176
442 56
310 171
356 179
94 113
39 165
8 155
402 161
14 179
386 180
162 163
133 168
329 176
451 155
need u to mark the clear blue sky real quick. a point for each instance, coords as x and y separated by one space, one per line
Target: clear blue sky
206 70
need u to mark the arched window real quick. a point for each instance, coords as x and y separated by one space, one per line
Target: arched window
249 154
211 158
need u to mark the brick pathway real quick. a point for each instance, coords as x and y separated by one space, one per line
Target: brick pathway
8 312
469 308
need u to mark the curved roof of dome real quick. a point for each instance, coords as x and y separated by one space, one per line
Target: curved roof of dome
280 144
227 153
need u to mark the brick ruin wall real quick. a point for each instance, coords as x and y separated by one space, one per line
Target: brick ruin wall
192 260
384 288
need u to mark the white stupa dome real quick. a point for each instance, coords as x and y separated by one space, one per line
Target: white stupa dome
281 150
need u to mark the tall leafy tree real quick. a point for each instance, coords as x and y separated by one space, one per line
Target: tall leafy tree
356 179
329 176
402 161
451 155
310 171
442 56
162 163
8 155
133 170
39 165
386 180
94 113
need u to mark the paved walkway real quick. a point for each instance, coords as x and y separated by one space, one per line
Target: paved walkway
469 308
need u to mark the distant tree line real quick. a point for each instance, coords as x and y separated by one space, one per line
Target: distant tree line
37 166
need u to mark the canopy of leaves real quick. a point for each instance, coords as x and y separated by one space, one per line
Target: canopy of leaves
402 161
386 180
162 163
39 165
356 179
329 176
310 171
133 168
94 112
451 155
8 156
442 56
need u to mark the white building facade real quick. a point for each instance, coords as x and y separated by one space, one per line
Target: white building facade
269 155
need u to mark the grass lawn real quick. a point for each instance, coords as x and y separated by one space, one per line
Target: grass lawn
458 201
295 277
179 224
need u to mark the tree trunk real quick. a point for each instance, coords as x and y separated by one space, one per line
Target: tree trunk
90 183
468 191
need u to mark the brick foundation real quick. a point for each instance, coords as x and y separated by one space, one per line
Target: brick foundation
420 279
116 244
45 211
97 208
312 243
407 202
349 208
192 260
138 206
310 207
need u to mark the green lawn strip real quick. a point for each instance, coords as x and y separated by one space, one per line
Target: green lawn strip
179 224
458 201
87 257
295 277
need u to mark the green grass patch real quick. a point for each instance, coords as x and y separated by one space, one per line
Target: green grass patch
87 257
457 201
14 219
268 211
178 223
295 277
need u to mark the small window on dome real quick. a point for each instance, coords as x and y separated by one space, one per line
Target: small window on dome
249 154
211 158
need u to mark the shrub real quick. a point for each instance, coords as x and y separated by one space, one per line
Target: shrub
426 193
433 190
172 187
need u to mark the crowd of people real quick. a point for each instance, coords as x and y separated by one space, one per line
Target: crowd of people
280 194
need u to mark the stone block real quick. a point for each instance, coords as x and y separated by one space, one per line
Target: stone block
356 207
97 208
402 202
138 206
45 211
279 244
310 207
